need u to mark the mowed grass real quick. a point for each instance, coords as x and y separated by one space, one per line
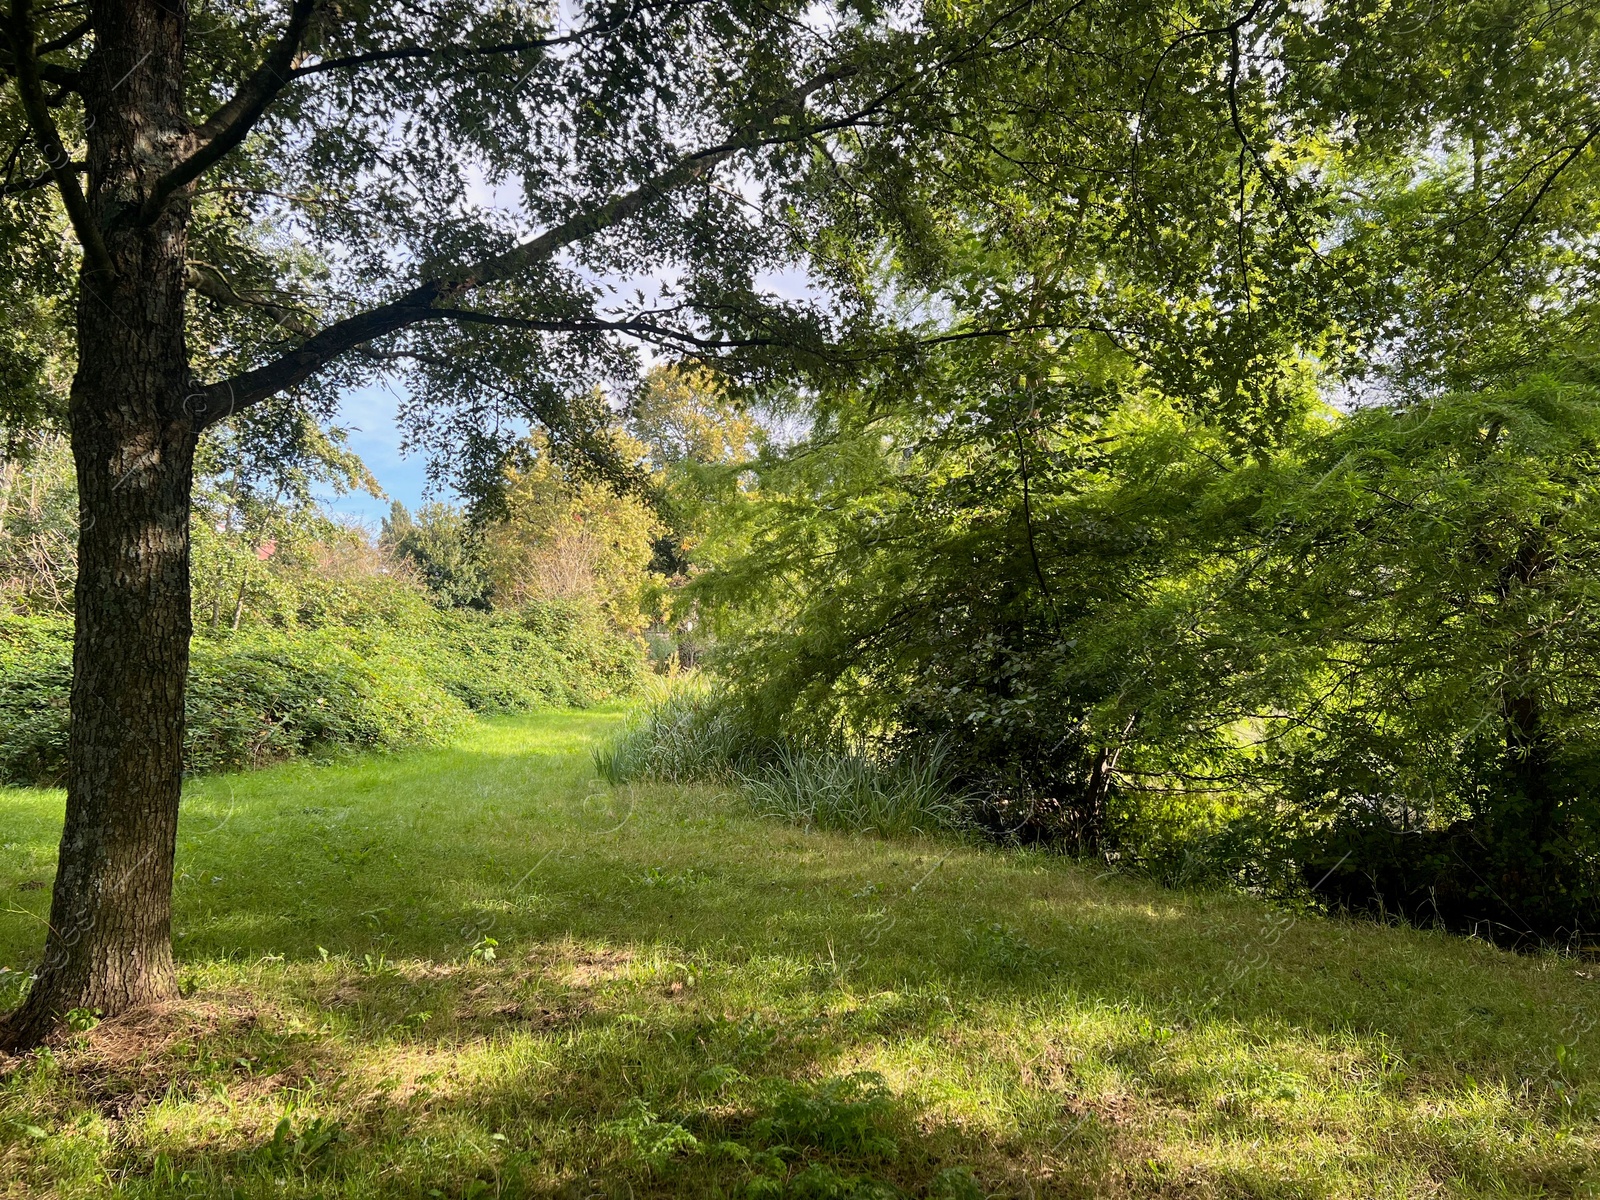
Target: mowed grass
686 1000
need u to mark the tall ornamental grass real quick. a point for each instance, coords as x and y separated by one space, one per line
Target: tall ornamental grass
687 731
851 789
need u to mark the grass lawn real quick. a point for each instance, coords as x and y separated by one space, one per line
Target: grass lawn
480 972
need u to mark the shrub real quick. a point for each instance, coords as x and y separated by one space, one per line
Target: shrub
596 661
688 732
35 679
682 733
265 694
849 1114
851 789
547 654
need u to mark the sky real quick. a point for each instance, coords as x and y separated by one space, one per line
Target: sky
368 414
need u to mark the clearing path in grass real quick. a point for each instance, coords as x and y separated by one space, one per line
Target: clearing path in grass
482 971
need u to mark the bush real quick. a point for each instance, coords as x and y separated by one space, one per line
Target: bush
547 654
35 680
264 696
682 733
689 732
267 694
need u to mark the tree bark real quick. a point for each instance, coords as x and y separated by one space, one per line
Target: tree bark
1532 802
109 944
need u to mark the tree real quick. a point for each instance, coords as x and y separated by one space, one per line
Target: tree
696 436
964 571
317 174
564 537
1431 573
441 545
189 158
685 415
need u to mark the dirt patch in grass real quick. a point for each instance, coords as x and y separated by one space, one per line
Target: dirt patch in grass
143 1035
125 1063
490 1004
589 968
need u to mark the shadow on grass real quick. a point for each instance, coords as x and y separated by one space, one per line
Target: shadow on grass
582 1069
479 972
587 1073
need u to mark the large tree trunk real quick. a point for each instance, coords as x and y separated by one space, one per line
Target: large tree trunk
109 944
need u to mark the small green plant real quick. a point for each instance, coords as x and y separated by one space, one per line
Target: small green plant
688 731
955 1183
820 1182
312 1144
678 881
29 1130
13 986
996 948
652 1139
848 1114
483 950
81 1020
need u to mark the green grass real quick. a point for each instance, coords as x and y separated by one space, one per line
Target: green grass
687 1000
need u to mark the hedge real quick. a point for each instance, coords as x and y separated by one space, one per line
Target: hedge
263 695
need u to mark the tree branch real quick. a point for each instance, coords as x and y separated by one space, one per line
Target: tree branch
1027 522
1231 29
1263 168
614 212
209 281
71 37
403 53
19 31
66 78
217 401
1526 215
44 179
648 330
229 125
666 335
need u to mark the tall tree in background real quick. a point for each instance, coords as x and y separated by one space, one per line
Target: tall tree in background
564 537
440 545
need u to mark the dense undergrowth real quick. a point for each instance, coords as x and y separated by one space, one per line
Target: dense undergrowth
1360 664
408 675
687 730
694 729
477 971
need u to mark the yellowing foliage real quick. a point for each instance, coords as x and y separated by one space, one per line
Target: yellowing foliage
571 539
